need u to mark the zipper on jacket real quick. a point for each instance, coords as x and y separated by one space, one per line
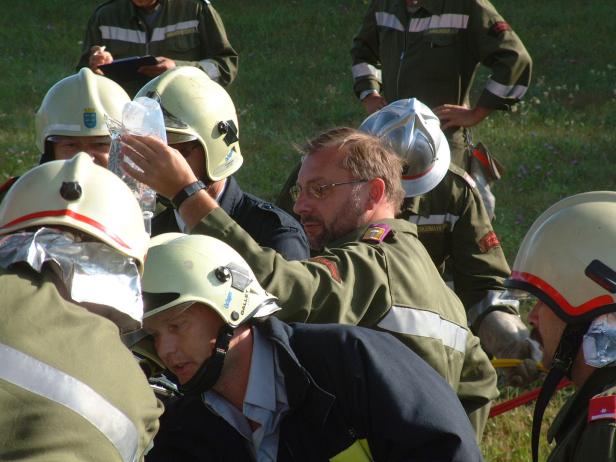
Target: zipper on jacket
402 54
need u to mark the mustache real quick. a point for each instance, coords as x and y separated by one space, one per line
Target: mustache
309 219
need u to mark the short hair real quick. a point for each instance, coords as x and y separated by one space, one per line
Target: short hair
366 157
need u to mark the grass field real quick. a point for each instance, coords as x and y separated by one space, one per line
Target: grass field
294 80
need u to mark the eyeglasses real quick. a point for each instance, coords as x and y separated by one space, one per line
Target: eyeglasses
318 191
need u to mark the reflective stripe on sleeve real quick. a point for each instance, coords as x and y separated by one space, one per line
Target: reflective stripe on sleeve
443 21
384 19
44 380
435 219
160 33
364 69
425 324
121 34
506 91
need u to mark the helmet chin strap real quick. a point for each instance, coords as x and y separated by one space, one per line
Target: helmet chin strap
562 364
209 372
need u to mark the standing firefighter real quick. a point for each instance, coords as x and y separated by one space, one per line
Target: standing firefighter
568 262
430 50
72 246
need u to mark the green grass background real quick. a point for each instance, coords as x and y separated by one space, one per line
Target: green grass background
294 81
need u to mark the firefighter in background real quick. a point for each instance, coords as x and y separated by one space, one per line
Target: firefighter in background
71 119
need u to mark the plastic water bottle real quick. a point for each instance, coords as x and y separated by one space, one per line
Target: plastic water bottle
143 116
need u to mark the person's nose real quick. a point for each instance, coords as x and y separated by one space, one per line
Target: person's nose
302 204
533 314
166 346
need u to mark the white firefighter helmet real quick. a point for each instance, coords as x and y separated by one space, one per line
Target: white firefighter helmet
568 259
77 106
197 108
191 269
80 195
414 133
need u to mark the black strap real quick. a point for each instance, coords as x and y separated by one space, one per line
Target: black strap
209 372
562 364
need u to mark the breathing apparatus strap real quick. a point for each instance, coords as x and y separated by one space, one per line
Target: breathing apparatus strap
562 364
210 370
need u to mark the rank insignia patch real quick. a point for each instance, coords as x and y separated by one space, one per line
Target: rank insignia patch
498 28
376 233
330 265
89 117
489 241
602 407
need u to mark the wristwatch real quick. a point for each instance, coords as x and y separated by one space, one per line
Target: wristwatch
188 191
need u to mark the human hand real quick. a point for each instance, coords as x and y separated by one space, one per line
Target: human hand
452 115
164 169
164 64
98 57
373 102
505 336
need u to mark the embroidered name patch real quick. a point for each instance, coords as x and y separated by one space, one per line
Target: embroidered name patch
489 241
331 266
376 233
602 407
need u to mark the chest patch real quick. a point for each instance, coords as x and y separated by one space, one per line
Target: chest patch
602 407
376 233
331 266
488 242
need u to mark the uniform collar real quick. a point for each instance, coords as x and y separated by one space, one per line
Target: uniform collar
396 225
576 407
301 388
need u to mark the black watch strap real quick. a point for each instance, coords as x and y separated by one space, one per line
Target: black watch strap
188 191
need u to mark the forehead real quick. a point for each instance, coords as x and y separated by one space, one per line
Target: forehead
322 164
164 317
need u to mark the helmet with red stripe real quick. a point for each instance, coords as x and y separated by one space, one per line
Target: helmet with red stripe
79 195
568 257
568 261
414 133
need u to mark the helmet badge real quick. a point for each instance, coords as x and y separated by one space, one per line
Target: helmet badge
89 117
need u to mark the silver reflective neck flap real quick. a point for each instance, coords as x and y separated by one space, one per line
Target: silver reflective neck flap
92 272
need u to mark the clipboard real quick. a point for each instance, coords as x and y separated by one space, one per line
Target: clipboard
125 69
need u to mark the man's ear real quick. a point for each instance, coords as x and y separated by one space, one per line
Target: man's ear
376 194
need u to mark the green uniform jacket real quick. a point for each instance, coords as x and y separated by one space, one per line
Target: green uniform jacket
432 55
577 439
453 225
188 31
390 285
70 391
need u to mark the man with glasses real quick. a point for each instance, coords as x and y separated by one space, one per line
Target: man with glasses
201 123
371 269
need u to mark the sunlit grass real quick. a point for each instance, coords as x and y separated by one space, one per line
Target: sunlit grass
294 81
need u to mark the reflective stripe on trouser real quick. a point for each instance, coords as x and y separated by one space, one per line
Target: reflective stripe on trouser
44 380
425 324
